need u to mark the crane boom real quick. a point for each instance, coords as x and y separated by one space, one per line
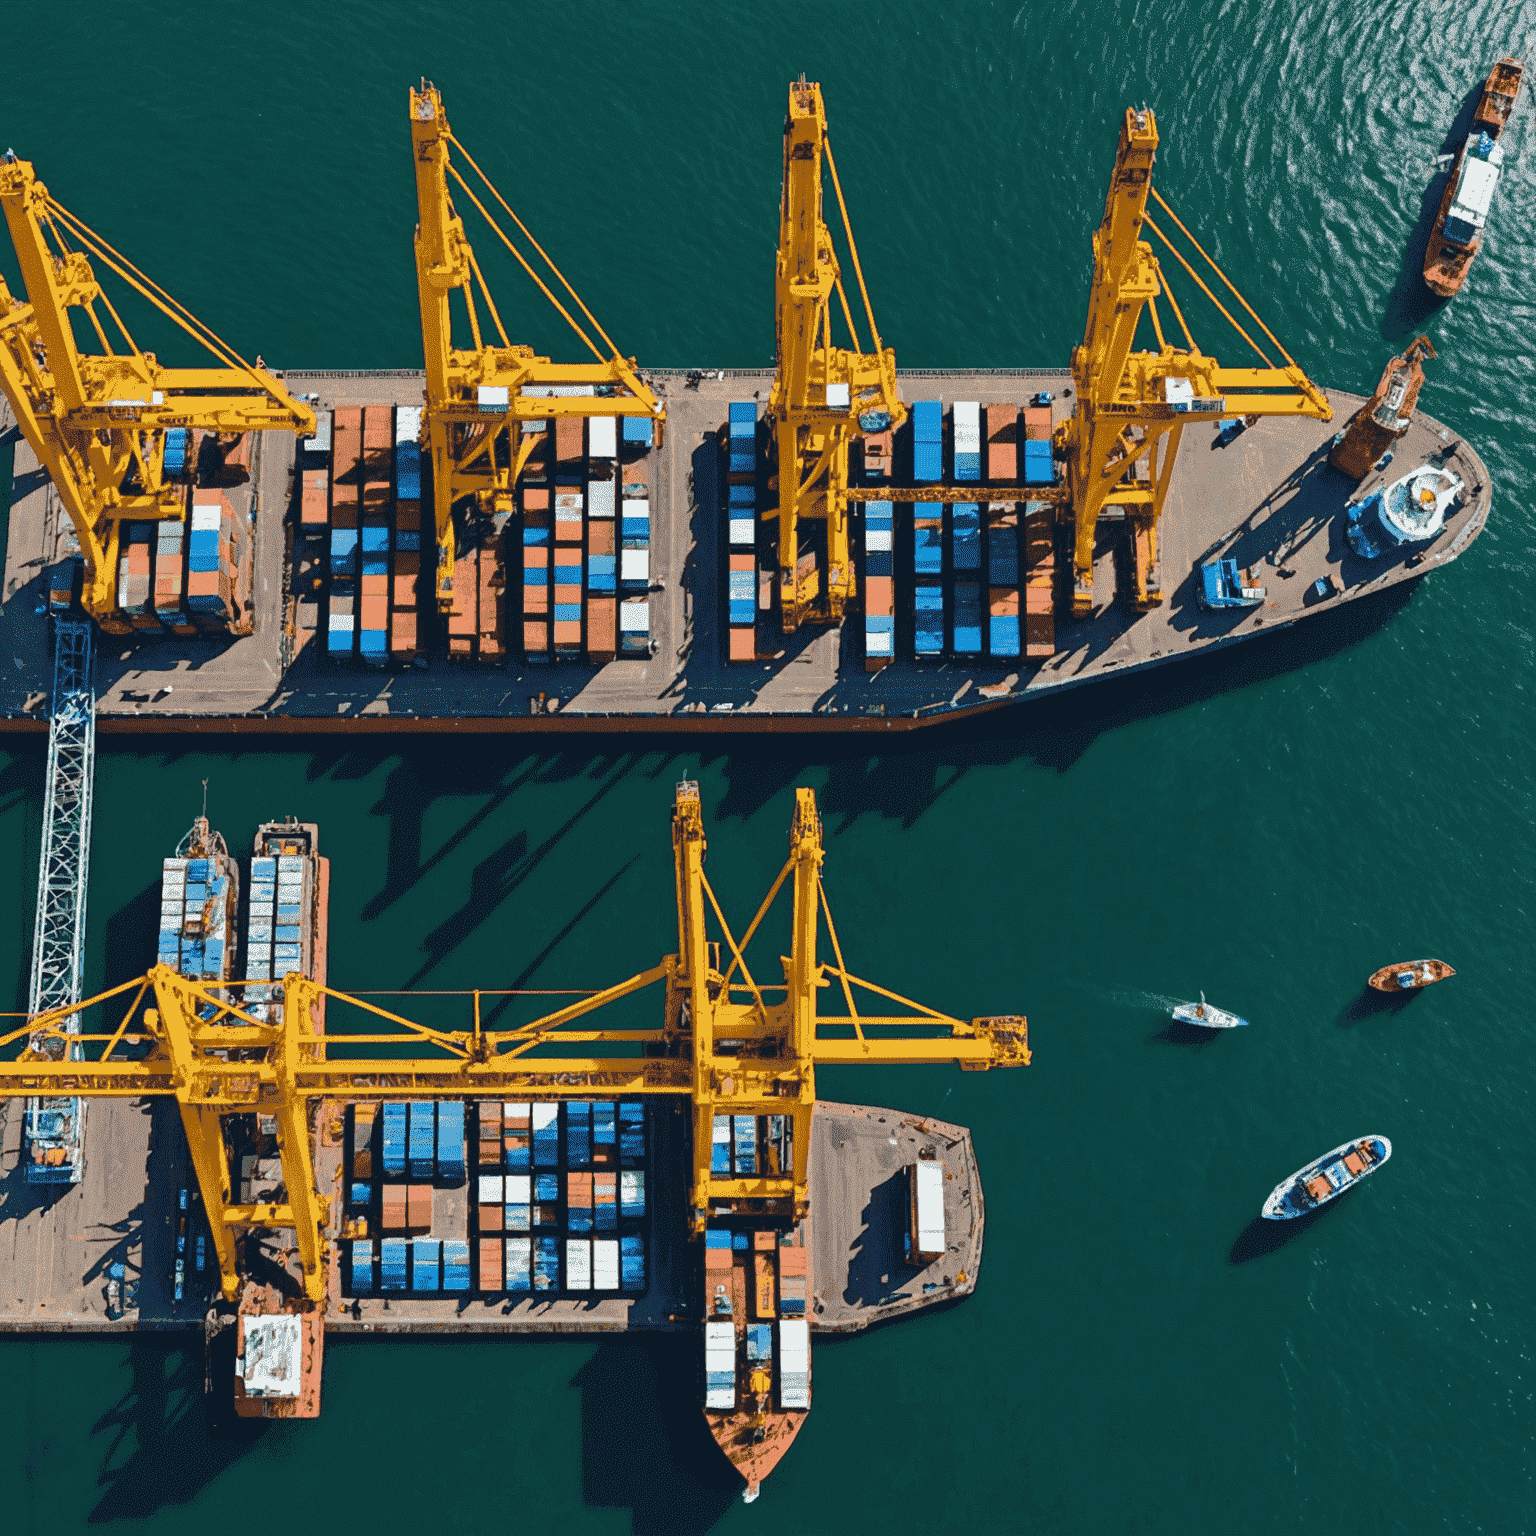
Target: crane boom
477 397
1121 442
734 1045
97 421
820 392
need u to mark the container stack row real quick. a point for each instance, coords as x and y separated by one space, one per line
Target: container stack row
189 575
740 451
195 904
751 1146
1039 582
275 909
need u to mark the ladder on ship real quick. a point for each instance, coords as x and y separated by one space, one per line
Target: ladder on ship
55 1127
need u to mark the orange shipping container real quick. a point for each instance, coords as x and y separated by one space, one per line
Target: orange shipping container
568 438
375 501
491 1249
462 620
379 426
602 628
408 516
314 497
568 632
402 633
1002 442
536 635
373 612
418 1202
535 499
374 586
1004 601
491 1218
600 537
879 595
743 642
717 1258
1037 423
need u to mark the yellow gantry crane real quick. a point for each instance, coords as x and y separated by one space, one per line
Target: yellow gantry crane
823 396
477 397
1121 442
734 1044
97 421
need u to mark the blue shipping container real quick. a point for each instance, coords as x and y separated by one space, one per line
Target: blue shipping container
967 536
450 1140
928 421
422 1139
394 1140
426 1259
927 461
1003 635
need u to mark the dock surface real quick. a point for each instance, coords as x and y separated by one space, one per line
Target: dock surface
1268 499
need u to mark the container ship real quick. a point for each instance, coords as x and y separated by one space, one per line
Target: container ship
503 542
199 901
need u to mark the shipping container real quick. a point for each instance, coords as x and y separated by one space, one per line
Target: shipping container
393 1264
455 1264
631 1193
578 1264
546 1264
1003 443
928 619
545 1121
362 1267
605 1264
578 1134
490 1251
578 1202
794 1363
632 1133
632 1264
422 1144
418 1199
519 1202
925 1239
519 1264
966 419
394 1139
720 1366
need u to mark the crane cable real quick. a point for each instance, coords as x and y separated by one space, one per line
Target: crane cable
1200 282
853 249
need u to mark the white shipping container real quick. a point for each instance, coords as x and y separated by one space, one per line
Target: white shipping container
491 1188
794 1344
605 1264
635 616
743 533
879 642
600 498
877 539
545 1115
407 423
602 436
967 420
578 1264
491 397
837 397
519 1188
928 1213
519 1256
635 565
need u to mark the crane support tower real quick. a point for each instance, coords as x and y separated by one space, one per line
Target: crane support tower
1121 442
478 398
732 1043
823 396
97 421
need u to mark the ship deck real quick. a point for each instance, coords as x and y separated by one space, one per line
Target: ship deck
57 1243
1268 499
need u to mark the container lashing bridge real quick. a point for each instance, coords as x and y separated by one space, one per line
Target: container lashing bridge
727 1040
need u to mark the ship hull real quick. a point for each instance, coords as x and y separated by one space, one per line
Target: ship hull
1421 973
1326 1178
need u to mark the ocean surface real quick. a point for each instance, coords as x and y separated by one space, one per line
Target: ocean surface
1269 825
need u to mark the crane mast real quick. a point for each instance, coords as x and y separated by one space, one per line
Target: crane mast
822 395
97 420
733 1044
477 397
1121 442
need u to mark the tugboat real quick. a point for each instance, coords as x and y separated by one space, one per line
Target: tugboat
757 1365
1410 975
1327 1177
1410 511
1458 233
1207 1017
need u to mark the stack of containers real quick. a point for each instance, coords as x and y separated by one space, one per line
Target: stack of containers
967 419
570 536
1039 581
536 552
518 1210
605 1134
794 1362
394 1208
170 576
418 1207
632 1264
631 1134
422 1141
578 1202
488 1117
744 1136
602 539
404 634
638 432
1003 443
362 1266
464 615
1003 580
362 1153
965 557
491 1253
177 462
194 918
133 576
287 934
605 1205
927 440
490 1193
578 1134
741 529
455 1264
720 1145
879 587
519 1264
605 1264
515 1139
392 1264
634 525
546 1263
928 568
491 580
426 1264
450 1141
346 492
545 1120
1038 467
632 1194
394 1139
578 1263
209 595
373 587
792 1280
546 1199
719 1356
260 931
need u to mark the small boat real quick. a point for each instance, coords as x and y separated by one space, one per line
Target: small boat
1410 975
1207 1017
1330 1175
1458 233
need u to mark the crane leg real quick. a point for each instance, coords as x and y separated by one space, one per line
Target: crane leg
205 1140
307 1204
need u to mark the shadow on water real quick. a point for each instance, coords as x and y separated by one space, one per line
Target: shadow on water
1371 1004
1260 1238
1411 304
644 1444
1178 1032
167 1442
132 933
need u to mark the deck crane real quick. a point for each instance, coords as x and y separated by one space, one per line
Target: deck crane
1121 443
733 1044
97 421
477 398
823 396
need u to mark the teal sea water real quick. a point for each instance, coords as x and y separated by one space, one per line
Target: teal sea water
1269 825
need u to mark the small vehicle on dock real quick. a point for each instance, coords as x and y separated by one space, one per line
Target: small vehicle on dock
1409 975
1224 585
1207 1017
1458 233
1326 1178
1412 510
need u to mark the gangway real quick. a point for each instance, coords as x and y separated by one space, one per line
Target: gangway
55 1127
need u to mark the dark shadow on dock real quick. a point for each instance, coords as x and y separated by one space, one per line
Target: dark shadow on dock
644 1443
181 1440
1370 1004
1411 304
878 1271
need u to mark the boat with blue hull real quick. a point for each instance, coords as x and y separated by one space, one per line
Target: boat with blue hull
1326 1178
